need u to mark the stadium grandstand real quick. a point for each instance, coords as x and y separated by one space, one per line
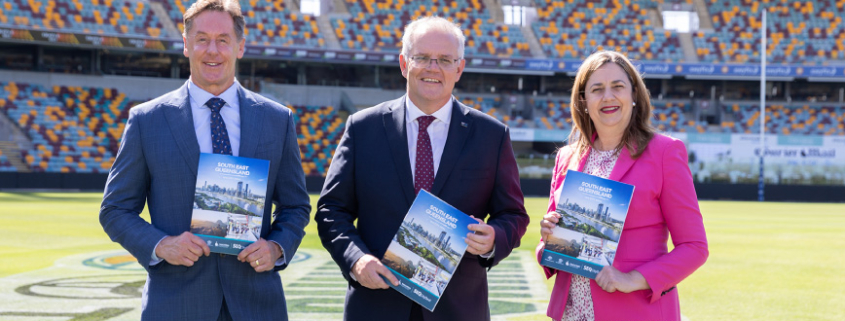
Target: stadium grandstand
70 70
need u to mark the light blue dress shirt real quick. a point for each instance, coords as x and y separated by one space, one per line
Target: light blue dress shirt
231 113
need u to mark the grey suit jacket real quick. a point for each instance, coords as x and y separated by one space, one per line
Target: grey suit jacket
157 165
370 182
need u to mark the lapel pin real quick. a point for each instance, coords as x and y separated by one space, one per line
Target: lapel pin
464 124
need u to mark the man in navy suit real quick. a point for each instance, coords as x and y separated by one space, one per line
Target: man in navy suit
157 165
424 140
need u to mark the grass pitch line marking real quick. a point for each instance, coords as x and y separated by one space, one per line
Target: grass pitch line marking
107 286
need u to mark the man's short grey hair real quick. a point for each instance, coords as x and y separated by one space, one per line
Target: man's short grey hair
431 22
232 7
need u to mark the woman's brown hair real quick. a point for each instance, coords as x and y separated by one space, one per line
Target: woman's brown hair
639 131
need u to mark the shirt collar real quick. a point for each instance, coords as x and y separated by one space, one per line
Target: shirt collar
443 114
200 96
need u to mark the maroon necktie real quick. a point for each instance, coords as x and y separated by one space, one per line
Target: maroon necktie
424 165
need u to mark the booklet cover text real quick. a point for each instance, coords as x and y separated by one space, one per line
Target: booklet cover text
427 249
229 201
592 213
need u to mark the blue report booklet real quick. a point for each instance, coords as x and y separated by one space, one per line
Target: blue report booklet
427 249
592 213
229 201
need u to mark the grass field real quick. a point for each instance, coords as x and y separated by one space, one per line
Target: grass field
768 261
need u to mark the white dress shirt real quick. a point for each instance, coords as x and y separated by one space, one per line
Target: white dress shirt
231 114
438 131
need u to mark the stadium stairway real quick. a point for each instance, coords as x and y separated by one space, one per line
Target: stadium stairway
327 32
655 17
704 19
166 22
688 47
685 38
13 154
339 7
533 43
496 12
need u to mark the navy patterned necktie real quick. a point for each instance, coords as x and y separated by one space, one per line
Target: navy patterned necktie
424 164
219 135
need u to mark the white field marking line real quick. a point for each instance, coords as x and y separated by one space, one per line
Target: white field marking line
314 316
325 305
317 291
342 282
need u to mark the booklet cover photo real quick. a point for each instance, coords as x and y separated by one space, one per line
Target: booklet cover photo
229 201
427 249
592 213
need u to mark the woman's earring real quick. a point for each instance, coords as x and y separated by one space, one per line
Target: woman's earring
635 104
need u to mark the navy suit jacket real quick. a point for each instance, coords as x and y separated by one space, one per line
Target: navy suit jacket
157 165
370 181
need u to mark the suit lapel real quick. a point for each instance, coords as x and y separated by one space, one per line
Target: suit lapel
459 129
580 161
394 125
181 123
623 164
251 115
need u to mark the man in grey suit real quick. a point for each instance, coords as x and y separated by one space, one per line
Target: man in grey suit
157 165
423 140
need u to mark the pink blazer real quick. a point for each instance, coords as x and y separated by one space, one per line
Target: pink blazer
664 203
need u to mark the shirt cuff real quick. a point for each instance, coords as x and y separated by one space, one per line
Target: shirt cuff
489 254
282 260
154 259
352 275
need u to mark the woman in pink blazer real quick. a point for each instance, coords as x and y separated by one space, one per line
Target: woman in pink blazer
613 137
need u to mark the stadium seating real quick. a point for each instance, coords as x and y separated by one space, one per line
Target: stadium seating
78 129
319 132
5 164
73 129
803 32
377 25
799 32
493 106
175 9
104 17
670 117
487 105
268 23
573 29
552 114
785 119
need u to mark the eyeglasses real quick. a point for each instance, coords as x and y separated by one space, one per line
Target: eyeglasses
425 61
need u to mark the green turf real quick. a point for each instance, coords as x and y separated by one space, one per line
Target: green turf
769 261
38 228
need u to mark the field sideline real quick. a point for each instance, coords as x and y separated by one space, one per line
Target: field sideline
768 261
